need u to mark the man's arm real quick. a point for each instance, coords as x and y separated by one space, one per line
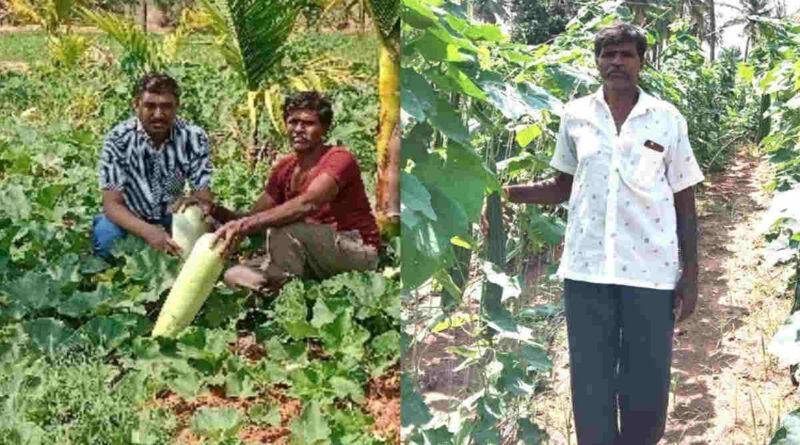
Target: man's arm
223 214
322 189
115 209
549 191
686 218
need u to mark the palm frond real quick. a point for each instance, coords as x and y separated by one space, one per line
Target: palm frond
139 47
262 28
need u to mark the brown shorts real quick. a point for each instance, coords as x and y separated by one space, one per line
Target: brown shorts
310 251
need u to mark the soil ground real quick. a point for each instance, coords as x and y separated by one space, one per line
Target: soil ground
726 389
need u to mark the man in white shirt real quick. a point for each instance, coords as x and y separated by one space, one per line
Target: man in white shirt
627 169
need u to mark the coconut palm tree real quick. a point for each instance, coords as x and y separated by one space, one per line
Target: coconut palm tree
749 12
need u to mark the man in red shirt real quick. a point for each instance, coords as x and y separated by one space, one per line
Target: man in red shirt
314 208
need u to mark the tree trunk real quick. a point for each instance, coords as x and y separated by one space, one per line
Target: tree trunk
143 11
387 191
712 41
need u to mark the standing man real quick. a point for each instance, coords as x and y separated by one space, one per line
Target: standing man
144 166
630 253
314 208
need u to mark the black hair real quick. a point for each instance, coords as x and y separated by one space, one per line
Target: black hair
620 33
310 100
159 83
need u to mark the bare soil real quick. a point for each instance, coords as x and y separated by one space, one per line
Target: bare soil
726 389
382 403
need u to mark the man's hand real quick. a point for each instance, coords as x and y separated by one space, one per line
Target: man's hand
207 207
230 234
685 295
158 238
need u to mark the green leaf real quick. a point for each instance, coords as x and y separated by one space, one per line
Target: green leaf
81 304
344 387
489 415
48 334
511 287
789 432
262 29
413 411
414 198
311 428
291 311
14 202
417 95
385 351
467 180
535 358
105 332
528 433
528 134
30 293
544 227
418 14
444 118
217 423
513 377
265 414
322 315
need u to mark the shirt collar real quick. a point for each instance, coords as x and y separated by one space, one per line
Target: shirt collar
646 102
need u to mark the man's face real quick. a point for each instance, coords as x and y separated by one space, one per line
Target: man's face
305 130
619 66
157 112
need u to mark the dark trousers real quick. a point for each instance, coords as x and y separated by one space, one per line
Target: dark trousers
620 349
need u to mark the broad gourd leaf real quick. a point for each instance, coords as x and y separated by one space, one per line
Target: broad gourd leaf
49 335
105 332
544 227
511 286
466 181
414 411
528 433
415 198
490 414
217 423
291 311
789 432
30 293
82 304
418 14
513 378
418 96
311 428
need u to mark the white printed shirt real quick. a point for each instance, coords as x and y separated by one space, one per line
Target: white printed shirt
622 225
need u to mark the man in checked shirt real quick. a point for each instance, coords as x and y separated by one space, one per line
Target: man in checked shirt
630 255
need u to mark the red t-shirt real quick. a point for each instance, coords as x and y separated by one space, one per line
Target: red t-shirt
349 210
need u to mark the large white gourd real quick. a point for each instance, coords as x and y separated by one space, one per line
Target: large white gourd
187 226
192 286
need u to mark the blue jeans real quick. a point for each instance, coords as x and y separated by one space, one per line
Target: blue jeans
105 232
620 350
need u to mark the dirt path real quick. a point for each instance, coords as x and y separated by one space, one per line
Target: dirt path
726 389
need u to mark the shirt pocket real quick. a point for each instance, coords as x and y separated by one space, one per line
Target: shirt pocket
646 165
